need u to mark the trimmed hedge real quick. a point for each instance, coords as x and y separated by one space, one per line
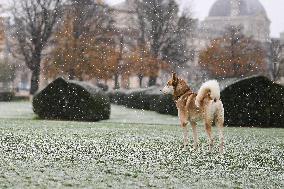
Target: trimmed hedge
71 100
102 86
166 105
147 99
7 96
254 101
21 98
117 97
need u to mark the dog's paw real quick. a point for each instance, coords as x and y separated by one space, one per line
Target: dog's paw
184 147
195 146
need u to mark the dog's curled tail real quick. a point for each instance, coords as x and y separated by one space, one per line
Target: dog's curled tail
208 89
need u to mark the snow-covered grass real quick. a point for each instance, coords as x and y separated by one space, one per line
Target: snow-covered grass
122 153
119 114
16 110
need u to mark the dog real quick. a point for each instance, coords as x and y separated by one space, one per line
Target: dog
205 106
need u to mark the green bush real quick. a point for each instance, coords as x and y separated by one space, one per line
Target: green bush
7 96
141 98
254 101
166 105
135 100
21 98
147 99
276 106
153 97
102 86
71 100
117 97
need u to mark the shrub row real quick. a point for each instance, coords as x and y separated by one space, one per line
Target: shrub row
147 99
7 96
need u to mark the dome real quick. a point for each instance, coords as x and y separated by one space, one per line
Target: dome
246 8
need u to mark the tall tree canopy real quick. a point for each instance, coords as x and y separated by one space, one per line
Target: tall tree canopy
142 63
83 44
233 55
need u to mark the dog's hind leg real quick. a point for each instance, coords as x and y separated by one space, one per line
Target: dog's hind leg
194 131
183 123
208 127
220 125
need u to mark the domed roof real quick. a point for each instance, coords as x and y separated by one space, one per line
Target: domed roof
246 8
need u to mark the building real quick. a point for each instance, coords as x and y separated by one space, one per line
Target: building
250 15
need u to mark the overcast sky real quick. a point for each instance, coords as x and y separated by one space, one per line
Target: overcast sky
200 8
274 9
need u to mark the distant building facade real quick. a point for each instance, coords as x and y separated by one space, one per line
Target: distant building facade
249 14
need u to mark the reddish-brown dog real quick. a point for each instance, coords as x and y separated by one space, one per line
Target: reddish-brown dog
204 106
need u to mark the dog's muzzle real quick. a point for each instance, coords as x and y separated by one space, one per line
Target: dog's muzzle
168 89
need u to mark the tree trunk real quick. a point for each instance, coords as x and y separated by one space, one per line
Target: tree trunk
35 79
155 51
116 82
152 81
119 60
71 75
275 71
140 77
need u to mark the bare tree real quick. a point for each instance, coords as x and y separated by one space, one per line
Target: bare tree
275 49
34 22
164 30
92 18
86 28
177 50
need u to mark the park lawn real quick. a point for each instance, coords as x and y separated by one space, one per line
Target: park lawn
131 150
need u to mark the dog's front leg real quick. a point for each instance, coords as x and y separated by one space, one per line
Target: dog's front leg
183 123
194 132
185 134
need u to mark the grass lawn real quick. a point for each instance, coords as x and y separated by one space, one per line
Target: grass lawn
133 149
